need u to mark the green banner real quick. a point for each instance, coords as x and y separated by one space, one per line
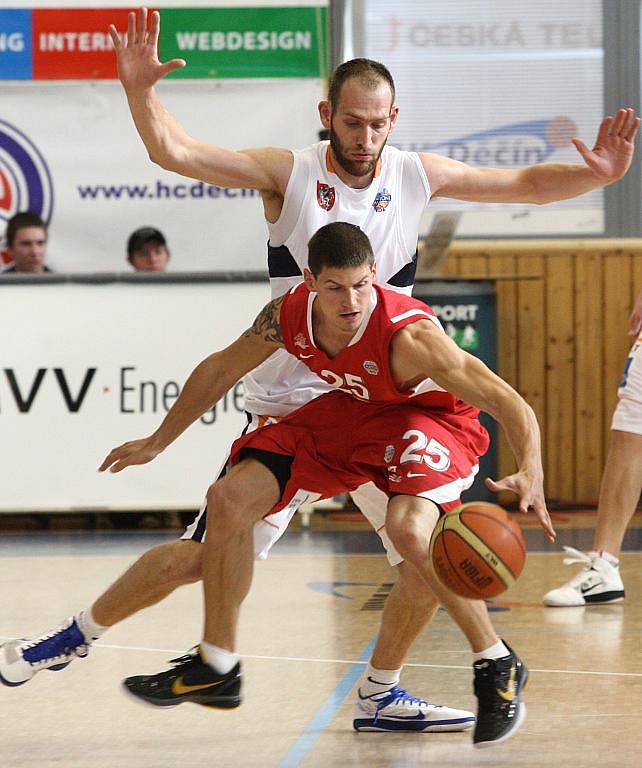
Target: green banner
246 42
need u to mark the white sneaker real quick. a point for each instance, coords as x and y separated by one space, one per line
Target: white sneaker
20 660
397 710
597 583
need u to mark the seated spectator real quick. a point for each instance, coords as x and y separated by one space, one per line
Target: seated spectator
26 237
147 250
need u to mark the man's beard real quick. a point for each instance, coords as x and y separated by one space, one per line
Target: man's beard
353 167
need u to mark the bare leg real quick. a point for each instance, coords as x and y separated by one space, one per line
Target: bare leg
619 492
409 607
409 524
151 578
234 503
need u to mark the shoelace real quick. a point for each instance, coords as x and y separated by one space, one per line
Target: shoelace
577 557
398 695
186 657
50 645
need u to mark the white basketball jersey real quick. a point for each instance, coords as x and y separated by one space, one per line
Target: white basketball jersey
388 211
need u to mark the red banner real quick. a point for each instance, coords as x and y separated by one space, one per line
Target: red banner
74 44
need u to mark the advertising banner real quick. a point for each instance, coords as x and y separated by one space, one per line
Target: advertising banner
70 152
101 366
219 42
504 84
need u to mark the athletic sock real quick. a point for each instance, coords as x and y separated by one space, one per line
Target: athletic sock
376 681
610 559
90 628
220 659
496 651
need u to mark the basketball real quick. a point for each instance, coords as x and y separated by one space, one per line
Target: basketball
477 550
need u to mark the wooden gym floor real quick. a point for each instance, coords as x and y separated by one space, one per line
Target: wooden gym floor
307 628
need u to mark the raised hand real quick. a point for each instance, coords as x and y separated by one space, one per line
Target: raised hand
129 454
611 156
139 67
531 496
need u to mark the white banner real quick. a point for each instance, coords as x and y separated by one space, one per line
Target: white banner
71 151
505 84
84 368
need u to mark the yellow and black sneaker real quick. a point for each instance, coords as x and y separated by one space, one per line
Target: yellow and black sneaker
498 684
191 679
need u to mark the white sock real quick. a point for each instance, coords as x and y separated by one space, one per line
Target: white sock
90 628
610 559
495 651
218 658
376 681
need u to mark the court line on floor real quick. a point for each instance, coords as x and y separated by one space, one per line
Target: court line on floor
296 754
359 661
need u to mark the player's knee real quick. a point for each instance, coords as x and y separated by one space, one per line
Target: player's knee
409 540
222 508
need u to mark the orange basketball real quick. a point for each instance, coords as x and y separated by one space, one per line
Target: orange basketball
477 550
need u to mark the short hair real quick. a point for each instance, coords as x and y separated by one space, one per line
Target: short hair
369 73
338 245
22 221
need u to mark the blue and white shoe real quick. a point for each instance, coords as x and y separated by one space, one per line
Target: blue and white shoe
397 710
20 660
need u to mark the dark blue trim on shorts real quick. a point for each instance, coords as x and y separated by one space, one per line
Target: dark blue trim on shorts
406 275
281 262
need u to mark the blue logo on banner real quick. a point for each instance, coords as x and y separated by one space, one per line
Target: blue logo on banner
508 146
25 181
15 44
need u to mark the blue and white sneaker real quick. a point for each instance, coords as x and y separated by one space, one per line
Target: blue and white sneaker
397 710
21 659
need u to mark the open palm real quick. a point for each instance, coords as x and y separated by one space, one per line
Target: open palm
611 156
138 64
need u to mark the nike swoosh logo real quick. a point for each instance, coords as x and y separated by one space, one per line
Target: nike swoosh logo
418 716
590 588
304 357
417 474
179 688
511 689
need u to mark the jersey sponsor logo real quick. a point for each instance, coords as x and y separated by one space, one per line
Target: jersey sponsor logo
369 366
381 201
300 341
326 196
389 453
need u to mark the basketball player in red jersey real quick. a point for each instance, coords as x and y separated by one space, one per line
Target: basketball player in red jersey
339 180
403 416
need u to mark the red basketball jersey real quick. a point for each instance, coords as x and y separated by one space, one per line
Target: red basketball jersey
362 369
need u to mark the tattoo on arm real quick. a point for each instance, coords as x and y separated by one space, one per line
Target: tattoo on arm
267 324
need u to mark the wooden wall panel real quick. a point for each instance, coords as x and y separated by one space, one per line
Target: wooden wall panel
559 450
561 342
531 356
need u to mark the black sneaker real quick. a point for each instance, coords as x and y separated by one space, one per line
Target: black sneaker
498 684
191 679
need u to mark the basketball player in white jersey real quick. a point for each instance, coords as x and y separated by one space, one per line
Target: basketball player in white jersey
354 177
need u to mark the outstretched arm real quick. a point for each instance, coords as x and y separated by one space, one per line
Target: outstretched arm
167 142
607 162
206 385
422 350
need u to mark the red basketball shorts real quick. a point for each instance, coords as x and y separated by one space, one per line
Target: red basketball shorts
339 443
